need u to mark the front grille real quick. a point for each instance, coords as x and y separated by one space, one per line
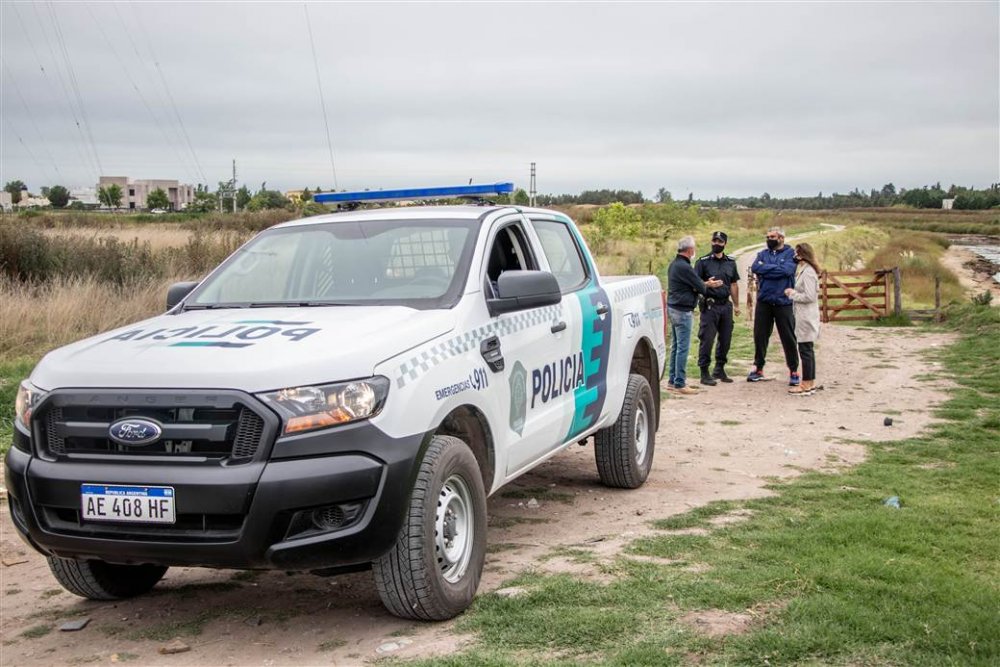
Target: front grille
217 427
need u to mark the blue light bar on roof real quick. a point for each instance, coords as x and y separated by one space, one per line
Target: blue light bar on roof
448 192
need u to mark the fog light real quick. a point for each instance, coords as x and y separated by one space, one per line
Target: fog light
325 519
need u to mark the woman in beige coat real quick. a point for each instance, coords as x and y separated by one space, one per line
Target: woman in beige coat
805 306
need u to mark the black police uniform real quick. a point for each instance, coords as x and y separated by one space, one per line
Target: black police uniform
717 312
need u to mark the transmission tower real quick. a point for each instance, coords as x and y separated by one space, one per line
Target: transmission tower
533 191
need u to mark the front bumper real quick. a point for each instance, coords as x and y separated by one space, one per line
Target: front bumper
241 516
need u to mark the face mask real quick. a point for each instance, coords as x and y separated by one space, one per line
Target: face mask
772 244
716 248
797 259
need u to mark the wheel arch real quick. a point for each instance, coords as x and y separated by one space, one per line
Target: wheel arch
469 424
645 363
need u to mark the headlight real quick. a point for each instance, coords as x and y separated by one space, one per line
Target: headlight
309 408
28 396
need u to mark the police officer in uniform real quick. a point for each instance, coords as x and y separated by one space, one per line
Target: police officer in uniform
717 309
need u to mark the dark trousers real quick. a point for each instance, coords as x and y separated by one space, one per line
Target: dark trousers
717 318
808 355
765 318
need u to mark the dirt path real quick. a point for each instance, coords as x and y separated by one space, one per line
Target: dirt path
974 273
723 444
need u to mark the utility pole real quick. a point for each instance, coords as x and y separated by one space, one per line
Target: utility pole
234 185
532 192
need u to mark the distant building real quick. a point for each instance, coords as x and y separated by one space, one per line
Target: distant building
6 201
947 204
33 202
86 196
134 193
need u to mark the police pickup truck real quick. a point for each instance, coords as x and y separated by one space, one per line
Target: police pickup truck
341 393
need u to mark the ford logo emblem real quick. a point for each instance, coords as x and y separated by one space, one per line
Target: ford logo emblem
135 431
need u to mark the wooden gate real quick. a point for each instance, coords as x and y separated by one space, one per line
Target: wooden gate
854 295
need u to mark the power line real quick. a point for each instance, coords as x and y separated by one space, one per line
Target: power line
170 97
178 140
86 160
322 102
27 149
75 85
27 112
135 86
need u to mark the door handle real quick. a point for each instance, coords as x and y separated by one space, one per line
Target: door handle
490 349
558 326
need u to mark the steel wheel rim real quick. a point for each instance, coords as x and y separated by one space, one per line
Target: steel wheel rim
453 529
641 434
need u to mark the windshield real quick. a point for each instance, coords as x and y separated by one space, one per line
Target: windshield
417 263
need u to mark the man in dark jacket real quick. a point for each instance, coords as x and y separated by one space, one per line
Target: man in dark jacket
683 290
774 268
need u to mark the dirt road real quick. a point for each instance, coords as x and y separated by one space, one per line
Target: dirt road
723 444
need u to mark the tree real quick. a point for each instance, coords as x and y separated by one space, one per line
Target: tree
157 199
110 196
521 197
204 202
306 196
663 196
243 197
266 199
15 188
58 196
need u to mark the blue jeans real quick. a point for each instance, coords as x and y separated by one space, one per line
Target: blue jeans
681 323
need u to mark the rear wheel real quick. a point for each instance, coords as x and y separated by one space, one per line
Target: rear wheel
97 580
433 570
624 450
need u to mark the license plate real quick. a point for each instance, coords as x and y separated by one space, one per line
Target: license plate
139 504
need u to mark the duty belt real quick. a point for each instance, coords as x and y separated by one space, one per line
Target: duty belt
713 301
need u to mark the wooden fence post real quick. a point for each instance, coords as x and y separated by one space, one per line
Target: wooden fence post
824 313
937 298
897 291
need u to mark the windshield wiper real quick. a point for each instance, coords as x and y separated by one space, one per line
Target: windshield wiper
211 306
298 304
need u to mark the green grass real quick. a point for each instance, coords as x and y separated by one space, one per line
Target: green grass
37 631
11 374
831 575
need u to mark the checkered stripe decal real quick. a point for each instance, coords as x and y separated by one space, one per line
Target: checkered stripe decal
427 359
651 284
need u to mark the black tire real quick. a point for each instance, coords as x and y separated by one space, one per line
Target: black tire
423 576
622 461
97 580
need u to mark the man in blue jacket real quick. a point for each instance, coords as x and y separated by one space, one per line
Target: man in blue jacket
775 270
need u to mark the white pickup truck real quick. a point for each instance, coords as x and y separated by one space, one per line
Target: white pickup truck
343 392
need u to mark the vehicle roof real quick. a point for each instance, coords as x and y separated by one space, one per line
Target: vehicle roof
461 212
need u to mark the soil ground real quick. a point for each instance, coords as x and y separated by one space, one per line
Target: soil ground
974 272
727 442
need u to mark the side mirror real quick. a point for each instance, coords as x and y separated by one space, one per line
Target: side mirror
177 292
521 290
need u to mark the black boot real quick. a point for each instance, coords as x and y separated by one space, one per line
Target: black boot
707 379
720 375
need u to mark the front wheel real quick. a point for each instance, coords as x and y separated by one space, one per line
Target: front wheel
433 570
624 450
97 580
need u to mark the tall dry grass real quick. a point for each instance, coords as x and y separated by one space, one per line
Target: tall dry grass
38 317
159 237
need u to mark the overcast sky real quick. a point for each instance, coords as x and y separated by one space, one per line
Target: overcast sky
715 99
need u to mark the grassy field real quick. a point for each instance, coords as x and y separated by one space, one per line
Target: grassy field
65 276
823 572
